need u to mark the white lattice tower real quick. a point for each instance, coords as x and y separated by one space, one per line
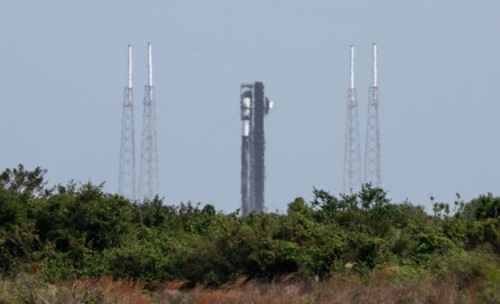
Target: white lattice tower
352 151
148 179
126 176
372 144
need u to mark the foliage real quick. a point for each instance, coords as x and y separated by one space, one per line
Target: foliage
76 230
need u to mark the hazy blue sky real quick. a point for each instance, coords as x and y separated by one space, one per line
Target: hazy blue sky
63 69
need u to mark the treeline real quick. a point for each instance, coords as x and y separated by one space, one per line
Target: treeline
72 231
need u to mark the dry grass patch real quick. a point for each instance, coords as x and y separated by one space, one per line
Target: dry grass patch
339 289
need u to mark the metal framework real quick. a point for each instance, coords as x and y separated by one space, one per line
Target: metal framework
352 151
148 179
254 106
126 176
372 144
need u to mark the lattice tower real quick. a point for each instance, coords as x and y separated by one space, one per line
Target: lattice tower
372 144
352 151
126 176
148 179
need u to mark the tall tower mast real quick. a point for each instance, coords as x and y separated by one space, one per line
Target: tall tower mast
126 176
372 148
148 180
258 142
352 152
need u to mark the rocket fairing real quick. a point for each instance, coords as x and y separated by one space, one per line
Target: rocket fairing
246 104
246 111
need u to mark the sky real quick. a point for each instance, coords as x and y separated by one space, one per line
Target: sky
63 67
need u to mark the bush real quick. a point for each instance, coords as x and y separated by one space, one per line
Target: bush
73 231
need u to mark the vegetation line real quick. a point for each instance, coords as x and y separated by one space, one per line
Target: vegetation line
74 240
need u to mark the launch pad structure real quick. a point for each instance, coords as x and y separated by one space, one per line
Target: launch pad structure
254 107
126 176
373 165
352 152
148 177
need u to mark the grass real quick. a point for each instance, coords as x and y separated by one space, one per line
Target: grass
381 287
